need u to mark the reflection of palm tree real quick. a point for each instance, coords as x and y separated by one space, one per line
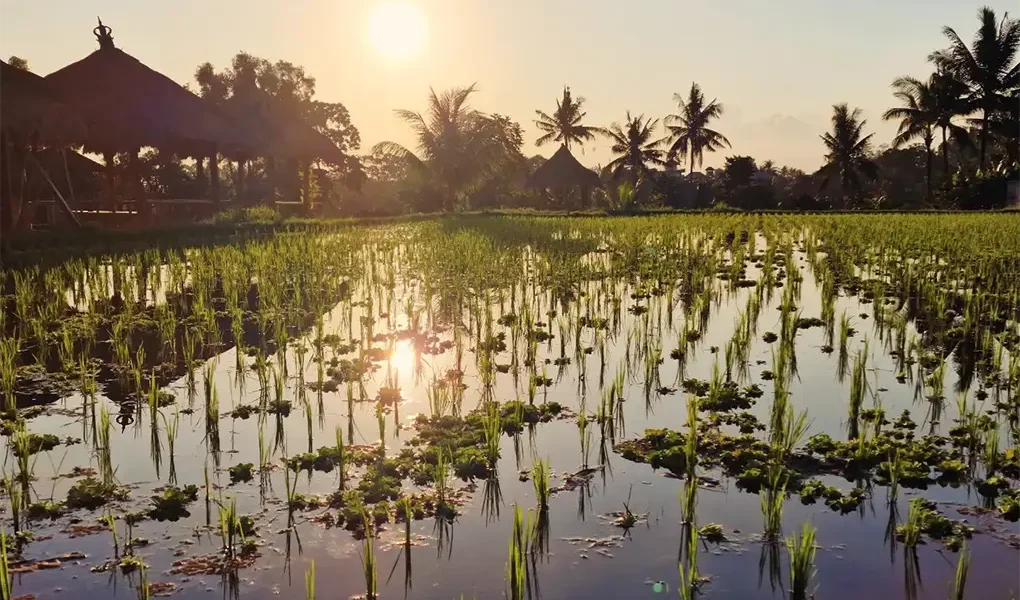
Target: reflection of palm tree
688 132
848 153
986 66
918 117
634 144
564 125
456 144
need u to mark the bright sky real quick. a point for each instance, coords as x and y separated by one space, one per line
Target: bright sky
777 66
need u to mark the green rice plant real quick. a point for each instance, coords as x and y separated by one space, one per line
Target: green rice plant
690 579
172 428
802 562
520 547
341 458
265 452
911 530
960 578
144 593
111 524
155 447
10 348
310 581
540 480
14 495
368 561
492 427
858 390
380 418
231 529
104 453
584 433
6 583
991 450
772 498
440 479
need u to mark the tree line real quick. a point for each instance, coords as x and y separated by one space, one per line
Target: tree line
963 116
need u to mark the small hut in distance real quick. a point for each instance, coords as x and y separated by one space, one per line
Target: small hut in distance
562 174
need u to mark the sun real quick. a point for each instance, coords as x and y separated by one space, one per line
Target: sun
397 29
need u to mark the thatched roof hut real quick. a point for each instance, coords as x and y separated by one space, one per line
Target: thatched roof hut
562 172
127 105
280 131
31 110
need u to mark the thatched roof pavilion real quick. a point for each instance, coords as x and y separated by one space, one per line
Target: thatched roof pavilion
127 105
32 111
563 172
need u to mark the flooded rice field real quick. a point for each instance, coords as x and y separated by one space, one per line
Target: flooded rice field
486 407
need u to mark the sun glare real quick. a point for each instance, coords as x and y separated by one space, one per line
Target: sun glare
397 29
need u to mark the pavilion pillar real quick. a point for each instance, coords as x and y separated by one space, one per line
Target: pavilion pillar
111 193
200 172
241 191
6 189
135 177
271 181
306 187
10 213
214 176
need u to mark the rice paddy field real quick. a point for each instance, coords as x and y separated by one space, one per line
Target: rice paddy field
719 406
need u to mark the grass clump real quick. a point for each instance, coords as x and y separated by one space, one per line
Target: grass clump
90 493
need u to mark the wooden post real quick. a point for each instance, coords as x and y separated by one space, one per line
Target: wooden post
200 172
306 187
271 181
10 214
6 189
214 176
241 195
135 177
111 193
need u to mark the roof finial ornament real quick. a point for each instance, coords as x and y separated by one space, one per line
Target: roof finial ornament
104 34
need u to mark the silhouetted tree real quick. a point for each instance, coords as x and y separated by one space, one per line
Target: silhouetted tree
918 118
457 145
564 125
634 146
738 171
987 66
687 132
18 63
848 157
950 95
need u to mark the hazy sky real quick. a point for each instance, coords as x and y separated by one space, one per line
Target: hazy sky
777 66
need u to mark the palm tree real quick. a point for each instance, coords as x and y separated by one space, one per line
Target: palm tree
688 132
565 123
848 157
456 144
634 144
950 96
918 117
986 66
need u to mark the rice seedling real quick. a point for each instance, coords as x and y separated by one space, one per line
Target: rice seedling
310 581
493 430
802 562
104 452
231 528
911 530
10 347
772 498
960 578
368 562
6 583
341 458
540 480
520 547
690 579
